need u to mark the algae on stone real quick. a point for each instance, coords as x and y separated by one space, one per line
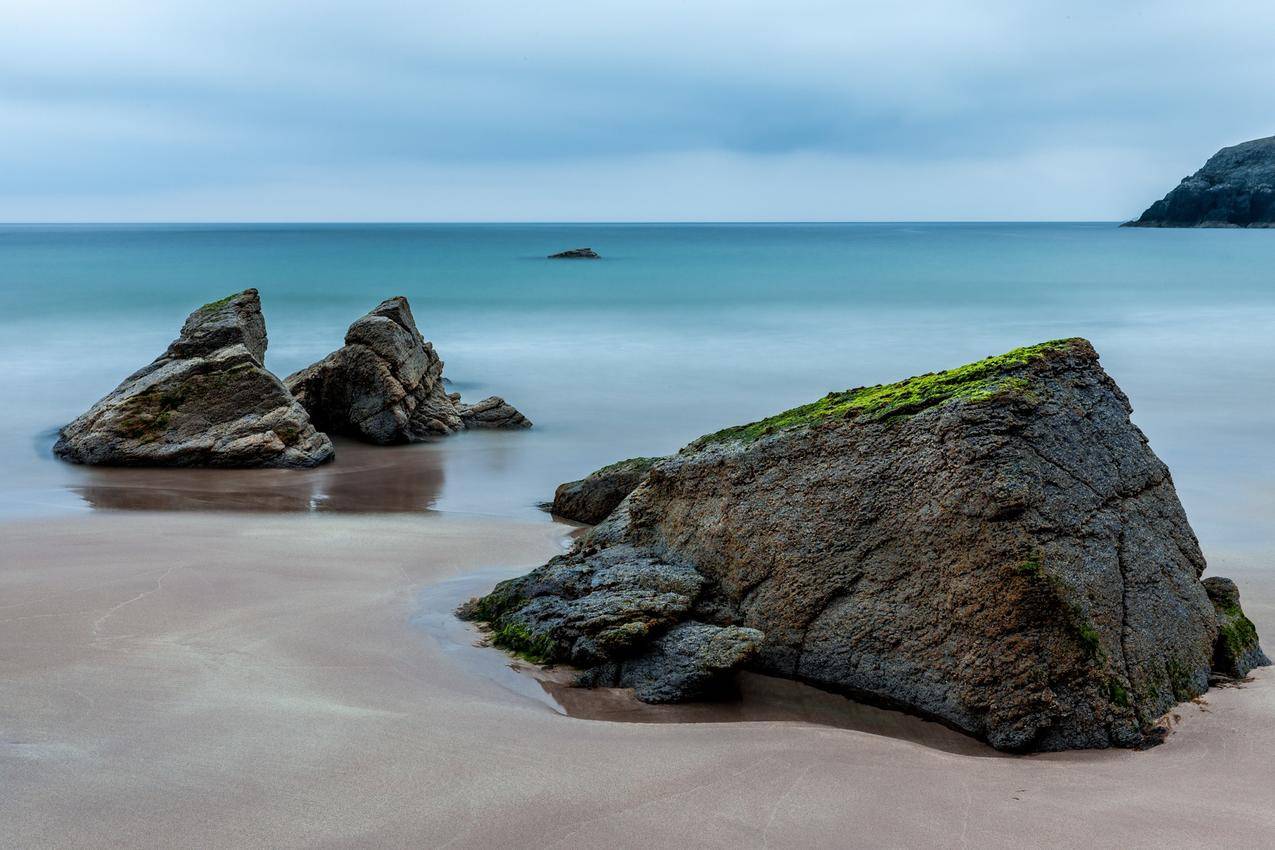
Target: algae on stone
1237 650
978 381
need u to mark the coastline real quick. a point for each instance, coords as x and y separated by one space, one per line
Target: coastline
252 679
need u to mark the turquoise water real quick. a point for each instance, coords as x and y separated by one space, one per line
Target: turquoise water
678 331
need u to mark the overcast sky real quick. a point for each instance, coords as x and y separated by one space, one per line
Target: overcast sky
552 111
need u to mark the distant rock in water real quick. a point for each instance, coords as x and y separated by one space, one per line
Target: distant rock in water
385 385
576 254
1235 188
994 546
206 401
592 498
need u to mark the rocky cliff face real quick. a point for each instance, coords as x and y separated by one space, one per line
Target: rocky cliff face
1235 188
995 547
206 401
385 385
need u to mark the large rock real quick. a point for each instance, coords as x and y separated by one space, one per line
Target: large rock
206 401
385 385
1235 188
995 547
592 498
1237 650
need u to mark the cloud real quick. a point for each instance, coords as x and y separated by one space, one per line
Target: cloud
557 110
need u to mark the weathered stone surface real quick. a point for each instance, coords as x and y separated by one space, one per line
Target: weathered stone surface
588 609
385 385
1235 188
575 254
995 547
206 401
1237 650
592 498
692 661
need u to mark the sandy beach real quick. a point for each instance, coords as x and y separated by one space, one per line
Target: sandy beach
250 680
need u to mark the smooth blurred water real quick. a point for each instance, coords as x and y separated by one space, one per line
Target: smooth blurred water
678 331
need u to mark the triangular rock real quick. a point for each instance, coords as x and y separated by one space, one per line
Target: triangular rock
385 385
206 401
995 546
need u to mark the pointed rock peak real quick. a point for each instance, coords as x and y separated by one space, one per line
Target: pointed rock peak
385 385
398 309
235 319
395 309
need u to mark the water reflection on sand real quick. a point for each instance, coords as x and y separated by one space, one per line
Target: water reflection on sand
363 478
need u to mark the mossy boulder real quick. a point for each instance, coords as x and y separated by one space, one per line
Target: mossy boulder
208 400
1237 650
994 546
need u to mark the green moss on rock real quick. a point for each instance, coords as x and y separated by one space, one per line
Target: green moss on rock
985 379
504 598
219 303
1236 631
1181 682
633 464
145 416
1089 639
516 638
1118 693
1030 567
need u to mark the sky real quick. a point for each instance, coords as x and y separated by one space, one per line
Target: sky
116 110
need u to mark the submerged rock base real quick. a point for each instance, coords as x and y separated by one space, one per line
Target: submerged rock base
995 547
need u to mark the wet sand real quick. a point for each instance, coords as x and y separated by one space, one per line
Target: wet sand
253 680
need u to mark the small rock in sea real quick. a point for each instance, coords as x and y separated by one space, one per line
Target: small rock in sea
576 254
594 497
206 401
995 547
386 385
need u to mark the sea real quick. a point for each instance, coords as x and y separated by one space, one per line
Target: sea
677 331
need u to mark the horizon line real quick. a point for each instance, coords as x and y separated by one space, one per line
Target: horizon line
598 222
